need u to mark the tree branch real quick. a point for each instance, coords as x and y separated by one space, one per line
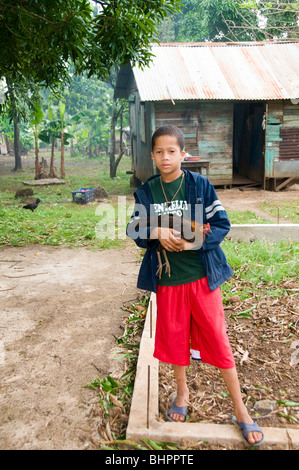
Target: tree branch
266 12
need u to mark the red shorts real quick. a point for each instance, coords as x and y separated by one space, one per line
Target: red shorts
190 316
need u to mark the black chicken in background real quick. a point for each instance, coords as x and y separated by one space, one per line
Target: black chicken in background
32 206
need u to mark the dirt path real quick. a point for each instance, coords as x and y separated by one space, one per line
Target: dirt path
60 310
250 200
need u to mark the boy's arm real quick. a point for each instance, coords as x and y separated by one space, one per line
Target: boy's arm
137 228
216 216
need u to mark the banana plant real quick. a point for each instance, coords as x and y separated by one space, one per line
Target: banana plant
61 126
65 122
36 122
56 129
49 134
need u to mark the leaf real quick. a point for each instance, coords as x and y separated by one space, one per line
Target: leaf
290 417
152 444
287 403
37 115
94 384
61 110
125 442
223 394
262 387
128 373
109 384
245 313
116 402
79 116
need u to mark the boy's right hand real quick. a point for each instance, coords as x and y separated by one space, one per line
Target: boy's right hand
168 238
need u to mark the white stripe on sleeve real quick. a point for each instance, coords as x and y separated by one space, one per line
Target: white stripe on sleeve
215 203
217 208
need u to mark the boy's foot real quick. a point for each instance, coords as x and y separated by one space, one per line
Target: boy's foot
178 410
253 437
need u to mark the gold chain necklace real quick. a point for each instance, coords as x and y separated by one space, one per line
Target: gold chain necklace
169 202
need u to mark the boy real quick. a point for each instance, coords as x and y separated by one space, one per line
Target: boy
189 303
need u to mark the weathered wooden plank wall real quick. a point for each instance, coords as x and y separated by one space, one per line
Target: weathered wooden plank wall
215 139
282 140
272 137
208 131
289 145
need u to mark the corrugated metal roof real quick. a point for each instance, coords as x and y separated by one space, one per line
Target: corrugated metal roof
220 71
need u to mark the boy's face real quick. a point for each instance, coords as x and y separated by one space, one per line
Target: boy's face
167 156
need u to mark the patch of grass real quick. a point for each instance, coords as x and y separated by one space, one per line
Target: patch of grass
79 173
261 263
68 224
288 210
246 217
59 221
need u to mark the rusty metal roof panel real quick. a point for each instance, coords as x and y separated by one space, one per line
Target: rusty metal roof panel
251 71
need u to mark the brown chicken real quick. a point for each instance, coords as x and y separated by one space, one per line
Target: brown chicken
190 231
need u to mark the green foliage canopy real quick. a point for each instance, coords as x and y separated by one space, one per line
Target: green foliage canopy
41 37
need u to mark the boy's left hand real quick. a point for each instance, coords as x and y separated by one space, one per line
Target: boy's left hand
173 242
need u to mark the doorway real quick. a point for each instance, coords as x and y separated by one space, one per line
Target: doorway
249 140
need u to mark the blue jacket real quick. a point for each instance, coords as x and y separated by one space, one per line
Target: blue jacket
198 191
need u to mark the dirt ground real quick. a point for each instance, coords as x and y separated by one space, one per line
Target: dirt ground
59 311
250 200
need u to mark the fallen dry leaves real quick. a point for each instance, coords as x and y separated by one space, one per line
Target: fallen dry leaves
264 336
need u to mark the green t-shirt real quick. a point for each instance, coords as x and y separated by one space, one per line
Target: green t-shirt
185 265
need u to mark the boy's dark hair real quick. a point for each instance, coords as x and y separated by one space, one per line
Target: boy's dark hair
168 129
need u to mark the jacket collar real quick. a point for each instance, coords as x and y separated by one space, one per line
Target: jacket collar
145 196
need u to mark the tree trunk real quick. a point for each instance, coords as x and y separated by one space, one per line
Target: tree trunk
62 168
90 154
72 148
36 155
114 162
121 134
8 146
176 31
52 173
17 147
112 140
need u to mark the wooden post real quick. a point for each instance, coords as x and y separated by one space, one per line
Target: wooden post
148 395
151 320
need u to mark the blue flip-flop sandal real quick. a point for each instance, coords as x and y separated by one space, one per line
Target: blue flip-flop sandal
246 429
175 409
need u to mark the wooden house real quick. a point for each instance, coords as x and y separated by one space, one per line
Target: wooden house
236 103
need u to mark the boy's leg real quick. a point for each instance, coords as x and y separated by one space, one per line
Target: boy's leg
172 337
212 341
208 329
231 380
182 398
